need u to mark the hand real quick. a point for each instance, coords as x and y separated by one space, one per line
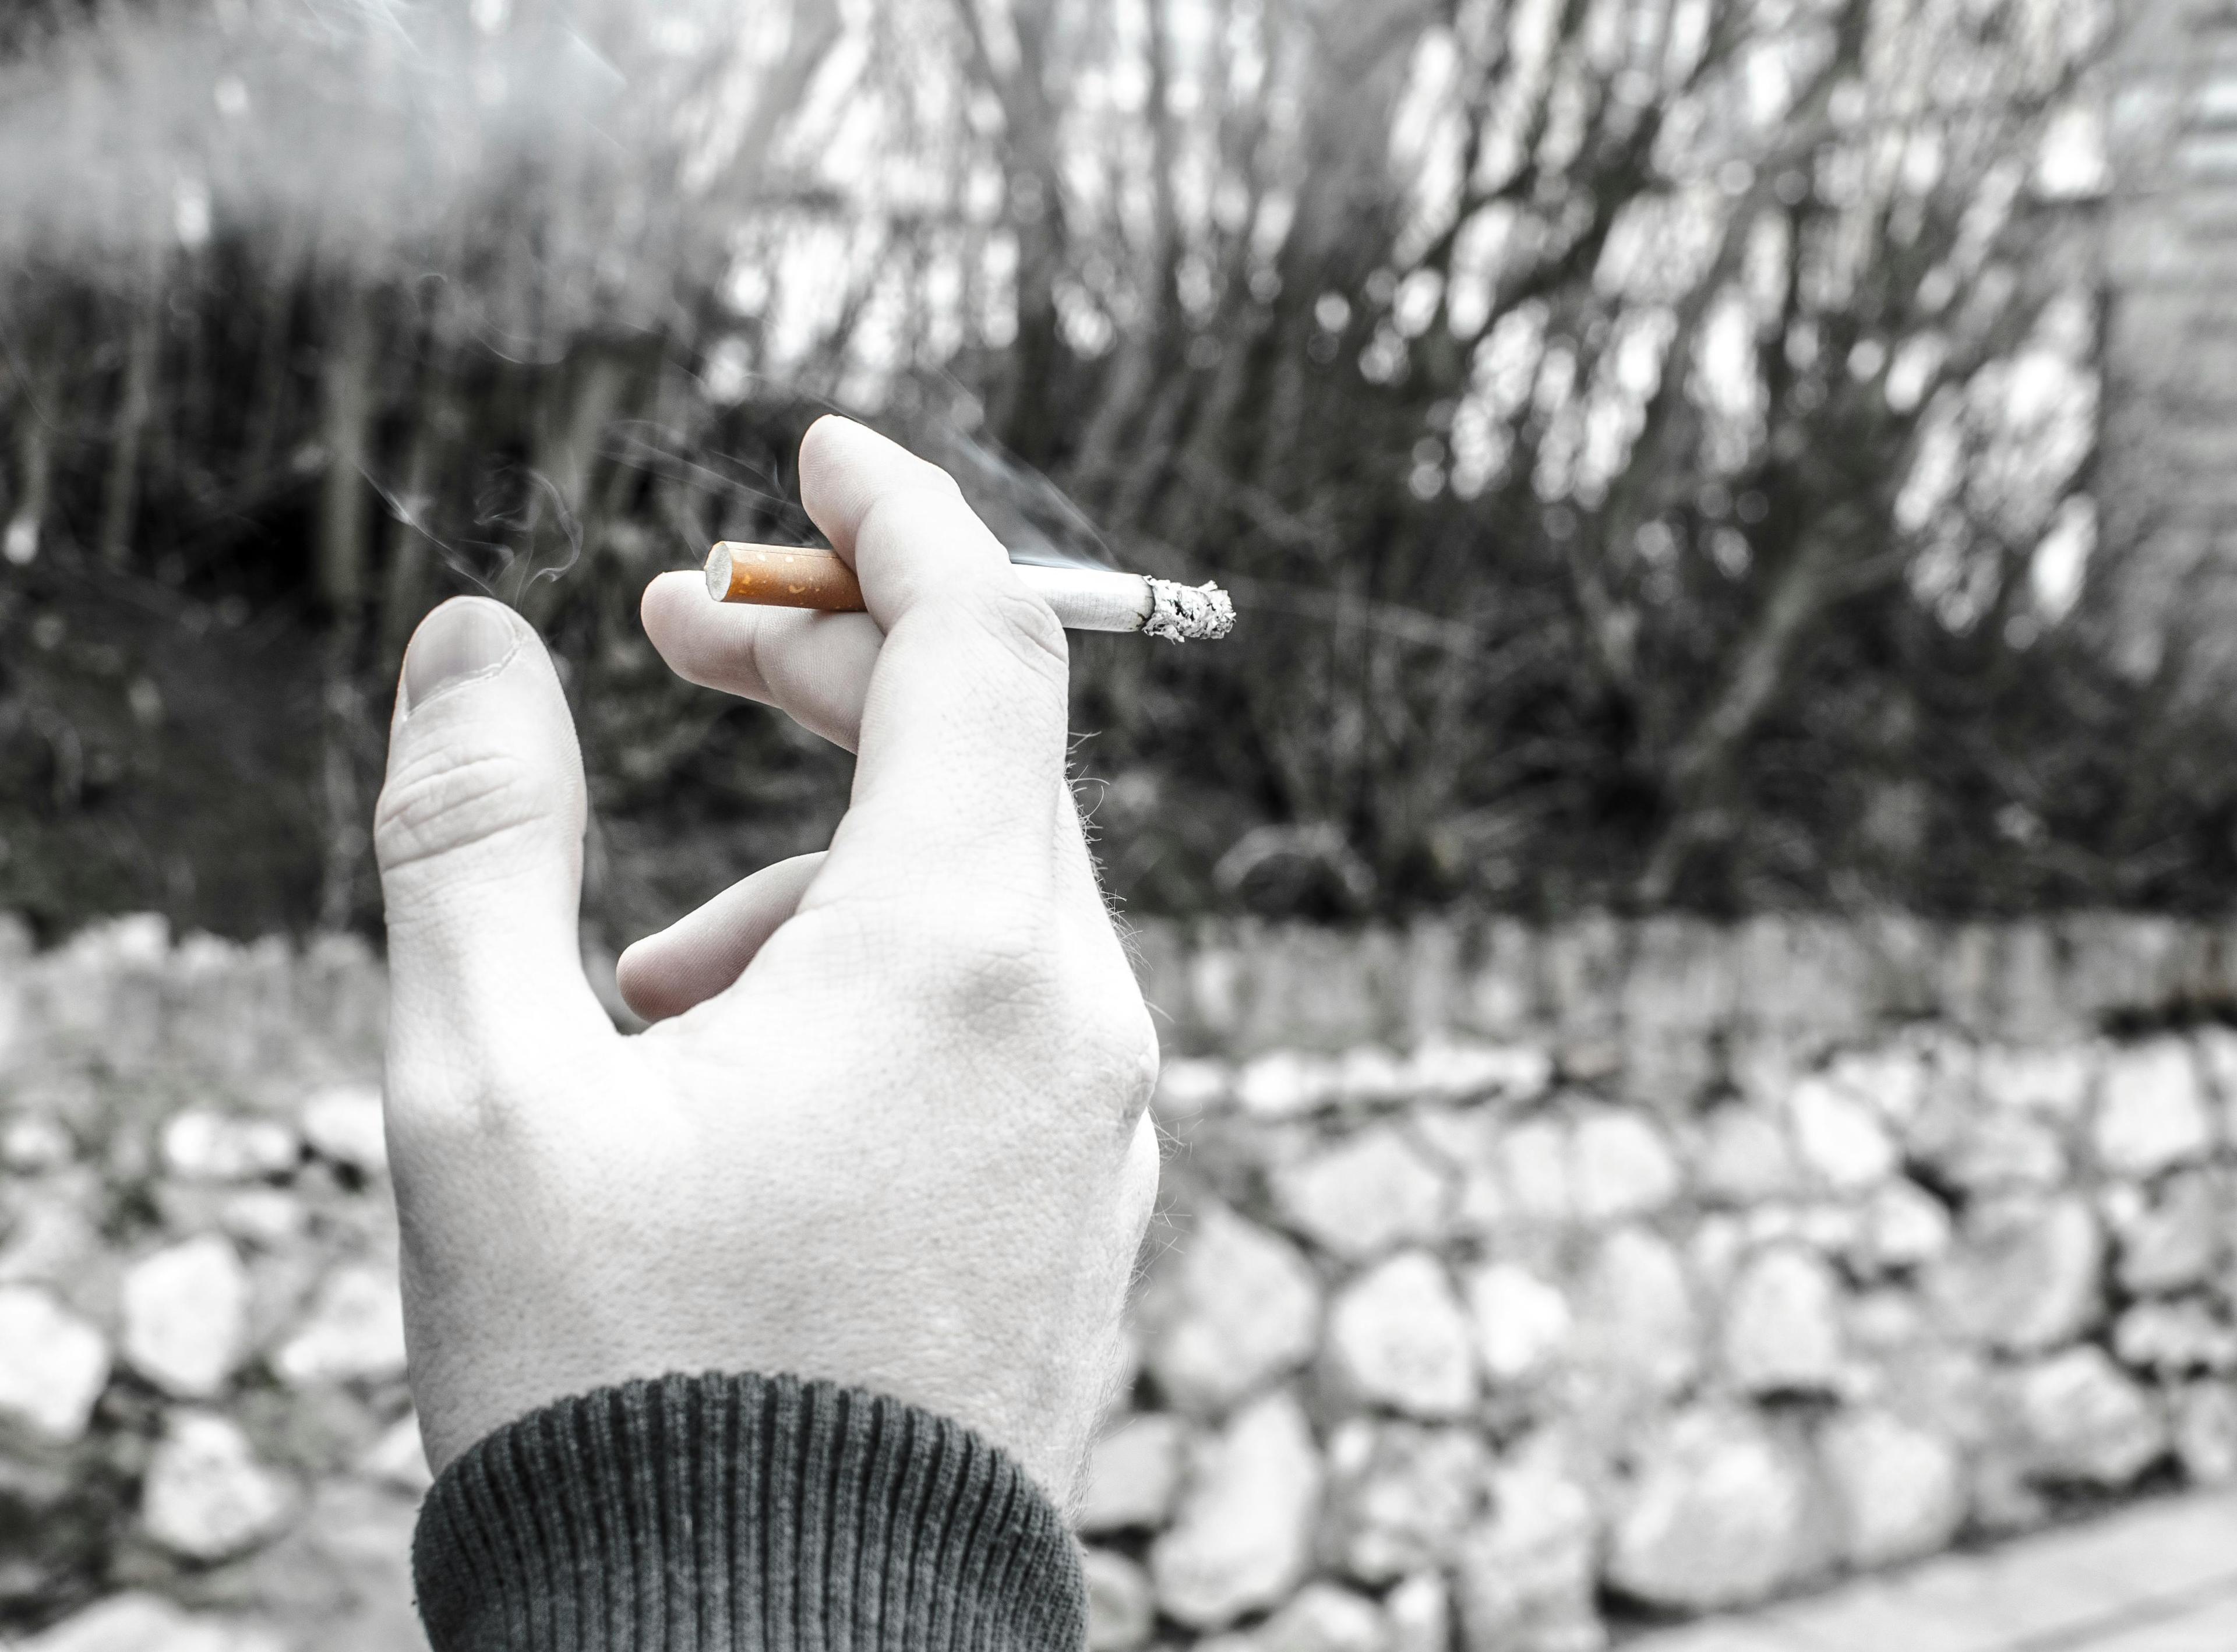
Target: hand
889 1130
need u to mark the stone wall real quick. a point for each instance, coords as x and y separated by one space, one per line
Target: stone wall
1511 1286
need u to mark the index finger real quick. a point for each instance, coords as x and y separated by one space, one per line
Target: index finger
962 747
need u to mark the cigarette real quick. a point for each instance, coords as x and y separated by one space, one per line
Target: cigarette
794 576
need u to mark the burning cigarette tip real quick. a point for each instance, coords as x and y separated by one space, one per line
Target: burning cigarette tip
1182 613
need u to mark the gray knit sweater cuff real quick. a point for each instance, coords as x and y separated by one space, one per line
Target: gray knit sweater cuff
722 1513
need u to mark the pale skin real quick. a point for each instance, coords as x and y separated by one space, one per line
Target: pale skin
888 1127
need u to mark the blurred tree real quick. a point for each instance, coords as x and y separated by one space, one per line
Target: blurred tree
1648 439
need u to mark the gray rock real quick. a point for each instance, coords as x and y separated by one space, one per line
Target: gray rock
2079 1418
1534 1169
1985 1149
1900 1489
1325 1617
1467 1139
1401 1494
1522 1324
53 1365
1620 1166
1885 1321
1368 1075
51 1239
344 1125
1240 1307
1365 1194
1895 1078
1242 1538
31 1145
202 1145
265 1216
2023 1277
355 1330
1419 1611
1188 1088
1286 1084
186 1317
1132 1474
342 1568
2052 1083
1904 1227
1714 1250
1947 1391
1398 1336
2152 1112
398 1458
1743 1158
1722 1513
1526 1576
2172 1239
1456 1072
2217 1054
2174 1339
1121 1611
1783 1324
142 1622
2206 1432
1636 1320
1839 1136
205 1496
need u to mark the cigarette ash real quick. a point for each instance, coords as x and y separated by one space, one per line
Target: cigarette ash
1182 613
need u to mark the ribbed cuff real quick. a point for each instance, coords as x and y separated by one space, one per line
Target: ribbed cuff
720 1513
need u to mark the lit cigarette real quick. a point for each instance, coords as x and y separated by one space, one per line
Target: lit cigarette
792 576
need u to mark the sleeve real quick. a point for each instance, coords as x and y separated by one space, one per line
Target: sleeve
742 1513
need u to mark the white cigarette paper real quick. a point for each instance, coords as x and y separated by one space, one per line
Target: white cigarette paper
1084 599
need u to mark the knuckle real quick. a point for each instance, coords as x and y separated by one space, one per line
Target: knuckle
451 1097
975 963
438 805
1029 627
1108 1042
928 506
1125 1045
1001 973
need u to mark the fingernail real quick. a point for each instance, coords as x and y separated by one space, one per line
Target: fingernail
466 637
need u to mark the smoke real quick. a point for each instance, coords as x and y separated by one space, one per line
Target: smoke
675 456
1034 518
936 417
521 530
1029 513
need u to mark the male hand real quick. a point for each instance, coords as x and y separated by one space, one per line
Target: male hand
888 1129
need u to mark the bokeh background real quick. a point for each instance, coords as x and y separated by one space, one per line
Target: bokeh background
1690 921
1664 452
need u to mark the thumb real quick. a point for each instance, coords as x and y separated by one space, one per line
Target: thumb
480 837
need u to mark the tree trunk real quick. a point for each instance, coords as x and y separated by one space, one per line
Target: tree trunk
347 422
34 469
267 401
1154 346
1706 753
404 591
121 495
346 836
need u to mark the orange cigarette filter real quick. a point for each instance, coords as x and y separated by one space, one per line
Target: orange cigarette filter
782 575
